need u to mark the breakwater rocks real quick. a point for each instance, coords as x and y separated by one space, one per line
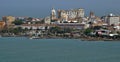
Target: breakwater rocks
89 38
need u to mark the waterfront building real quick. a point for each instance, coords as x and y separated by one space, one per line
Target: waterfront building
72 25
36 26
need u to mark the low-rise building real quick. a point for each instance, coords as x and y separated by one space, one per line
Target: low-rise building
72 25
2 25
47 20
36 26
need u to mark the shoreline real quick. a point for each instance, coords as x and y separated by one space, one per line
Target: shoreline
88 38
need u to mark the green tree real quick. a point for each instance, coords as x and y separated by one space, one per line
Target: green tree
18 22
68 30
88 31
55 29
97 27
30 18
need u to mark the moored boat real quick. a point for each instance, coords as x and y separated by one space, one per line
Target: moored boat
34 37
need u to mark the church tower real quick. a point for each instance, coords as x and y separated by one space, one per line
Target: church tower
53 14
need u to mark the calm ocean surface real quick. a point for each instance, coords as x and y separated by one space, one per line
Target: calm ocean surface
20 49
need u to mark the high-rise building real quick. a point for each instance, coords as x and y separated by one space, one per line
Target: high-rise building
81 12
113 20
71 15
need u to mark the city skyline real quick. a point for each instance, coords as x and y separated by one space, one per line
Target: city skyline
42 8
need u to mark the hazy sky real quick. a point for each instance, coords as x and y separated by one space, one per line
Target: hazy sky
41 8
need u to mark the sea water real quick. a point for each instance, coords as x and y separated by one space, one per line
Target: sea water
21 49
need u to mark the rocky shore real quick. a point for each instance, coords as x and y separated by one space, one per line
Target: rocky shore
89 38
81 37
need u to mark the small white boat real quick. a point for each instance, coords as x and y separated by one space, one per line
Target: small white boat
34 37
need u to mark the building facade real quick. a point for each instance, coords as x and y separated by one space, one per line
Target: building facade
8 20
71 15
47 20
2 25
113 20
53 14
